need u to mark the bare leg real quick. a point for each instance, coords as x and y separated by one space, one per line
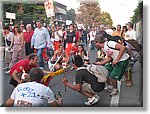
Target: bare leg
114 83
87 94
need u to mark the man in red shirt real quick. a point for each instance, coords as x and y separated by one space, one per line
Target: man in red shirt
27 38
26 64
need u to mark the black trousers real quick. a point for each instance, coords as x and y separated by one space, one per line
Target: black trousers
28 48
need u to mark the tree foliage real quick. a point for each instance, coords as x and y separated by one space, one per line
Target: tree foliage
106 19
25 11
90 14
71 15
138 12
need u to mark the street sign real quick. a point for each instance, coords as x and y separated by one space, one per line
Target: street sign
10 15
49 8
68 22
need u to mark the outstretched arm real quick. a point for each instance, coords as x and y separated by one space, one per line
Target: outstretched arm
76 87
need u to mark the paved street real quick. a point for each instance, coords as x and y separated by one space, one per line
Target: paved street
129 96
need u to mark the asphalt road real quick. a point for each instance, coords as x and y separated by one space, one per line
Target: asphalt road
127 97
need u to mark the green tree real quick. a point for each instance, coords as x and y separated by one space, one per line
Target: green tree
89 13
138 12
71 15
106 19
25 11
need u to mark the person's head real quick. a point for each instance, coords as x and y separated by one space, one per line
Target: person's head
129 26
71 27
28 27
17 29
33 58
77 43
36 74
39 23
61 47
99 40
118 27
77 61
108 27
102 27
58 27
21 27
6 29
80 47
124 28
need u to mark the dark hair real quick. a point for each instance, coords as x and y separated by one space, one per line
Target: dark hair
71 25
130 24
99 38
119 25
39 20
31 56
60 45
78 61
6 27
81 46
36 74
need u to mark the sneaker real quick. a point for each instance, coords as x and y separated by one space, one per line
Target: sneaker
96 96
114 92
91 101
108 88
7 72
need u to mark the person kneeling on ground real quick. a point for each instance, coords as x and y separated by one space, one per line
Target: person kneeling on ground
27 64
86 83
33 93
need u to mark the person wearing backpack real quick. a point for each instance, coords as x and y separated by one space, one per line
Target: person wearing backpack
117 60
86 83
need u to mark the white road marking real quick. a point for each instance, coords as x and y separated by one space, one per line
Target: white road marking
115 99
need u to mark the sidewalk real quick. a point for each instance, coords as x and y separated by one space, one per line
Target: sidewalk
132 96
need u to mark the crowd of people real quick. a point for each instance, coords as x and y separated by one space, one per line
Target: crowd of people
30 49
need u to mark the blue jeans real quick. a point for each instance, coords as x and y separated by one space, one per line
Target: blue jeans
39 54
92 46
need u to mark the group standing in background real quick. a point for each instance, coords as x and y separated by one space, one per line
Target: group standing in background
73 43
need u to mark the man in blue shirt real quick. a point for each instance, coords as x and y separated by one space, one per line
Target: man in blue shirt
40 40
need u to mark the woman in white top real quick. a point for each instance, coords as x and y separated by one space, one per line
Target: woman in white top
8 38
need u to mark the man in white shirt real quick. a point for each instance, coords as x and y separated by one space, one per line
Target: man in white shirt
116 53
92 37
40 40
33 93
131 33
109 30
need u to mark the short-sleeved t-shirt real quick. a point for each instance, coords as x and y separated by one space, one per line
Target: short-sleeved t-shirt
32 94
84 76
22 63
70 36
112 52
